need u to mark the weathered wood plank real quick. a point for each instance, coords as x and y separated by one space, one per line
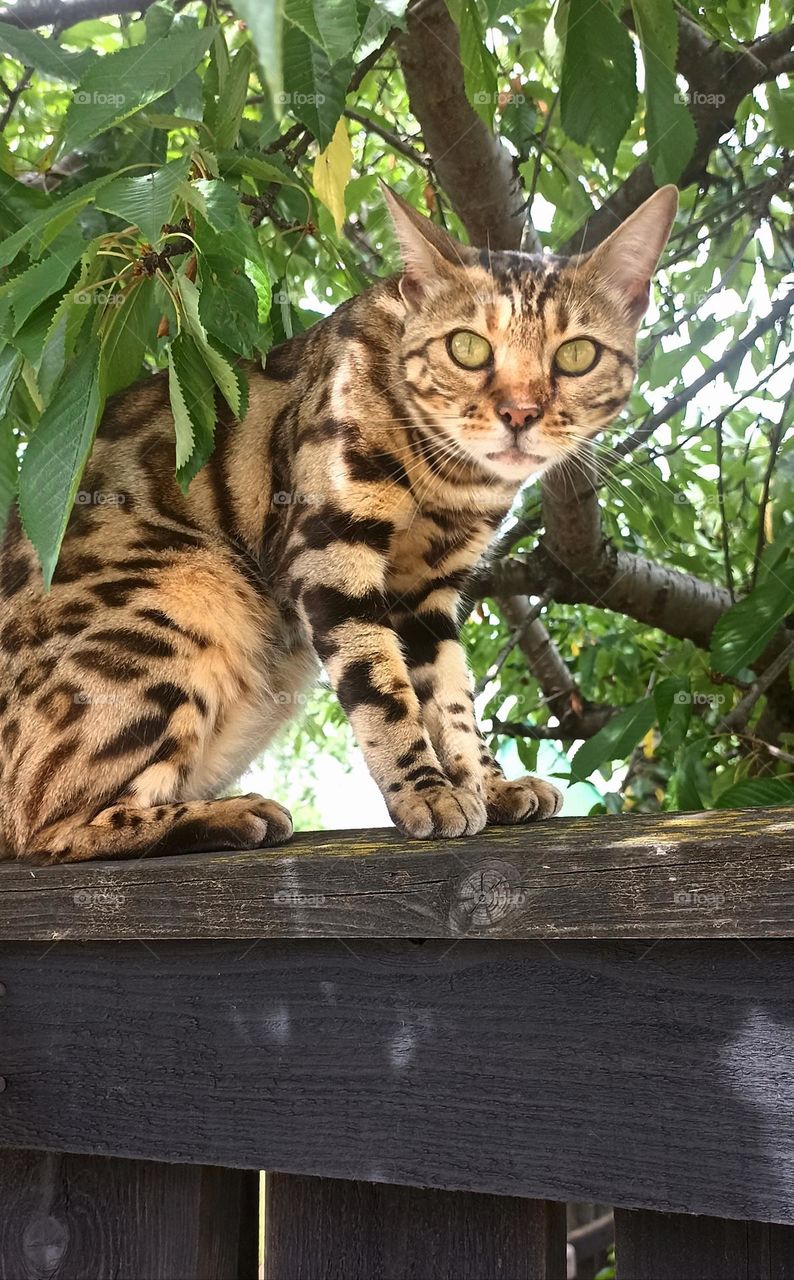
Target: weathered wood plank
677 1246
638 1074
78 1216
673 875
328 1229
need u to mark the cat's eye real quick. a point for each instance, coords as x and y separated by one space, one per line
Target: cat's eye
576 356
468 349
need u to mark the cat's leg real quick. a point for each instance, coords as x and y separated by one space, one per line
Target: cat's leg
197 826
146 709
440 676
353 636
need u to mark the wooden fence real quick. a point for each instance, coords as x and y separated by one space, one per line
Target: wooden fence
429 1047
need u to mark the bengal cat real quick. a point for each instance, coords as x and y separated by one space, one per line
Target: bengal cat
335 524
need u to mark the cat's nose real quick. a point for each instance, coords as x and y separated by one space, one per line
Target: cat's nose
517 416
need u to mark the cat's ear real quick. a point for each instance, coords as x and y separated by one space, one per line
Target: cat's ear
627 259
428 252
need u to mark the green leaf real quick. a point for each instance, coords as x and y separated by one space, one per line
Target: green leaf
333 24
44 278
45 226
221 227
214 83
58 346
616 740
479 66
120 83
221 206
9 470
673 701
56 456
10 366
30 338
228 304
228 380
598 90
317 87
236 164
44 55
753 793
781 113
232 102
192 392
145 201
745 630
688 777
669 126
260 279
264 19
128 334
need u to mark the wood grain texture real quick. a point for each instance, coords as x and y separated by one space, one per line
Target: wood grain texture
327 1229
711 874
638 1074
69 1217
675 1246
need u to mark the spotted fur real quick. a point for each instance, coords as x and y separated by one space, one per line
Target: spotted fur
336 524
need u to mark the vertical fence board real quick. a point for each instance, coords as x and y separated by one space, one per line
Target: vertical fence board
66 1217
329 1229
678 1246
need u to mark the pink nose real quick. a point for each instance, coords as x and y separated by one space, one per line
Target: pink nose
517 416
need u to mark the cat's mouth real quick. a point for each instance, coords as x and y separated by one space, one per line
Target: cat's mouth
515 457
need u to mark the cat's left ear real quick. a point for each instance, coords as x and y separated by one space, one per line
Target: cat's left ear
627 259
429 253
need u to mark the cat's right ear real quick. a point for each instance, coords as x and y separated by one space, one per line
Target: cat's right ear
429 253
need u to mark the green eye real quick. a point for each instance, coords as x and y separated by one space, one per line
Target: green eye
576 356
469 349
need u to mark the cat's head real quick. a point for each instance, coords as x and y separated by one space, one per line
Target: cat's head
514 359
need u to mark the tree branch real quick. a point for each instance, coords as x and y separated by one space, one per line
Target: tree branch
577 718
14 95
678 603
736 720
473 166
394 140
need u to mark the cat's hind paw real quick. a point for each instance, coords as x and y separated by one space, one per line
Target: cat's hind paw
524 800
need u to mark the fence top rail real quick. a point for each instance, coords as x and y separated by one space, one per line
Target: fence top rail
689 875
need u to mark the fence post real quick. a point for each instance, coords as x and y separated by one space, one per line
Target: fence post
329 1229
682 1246
76 1216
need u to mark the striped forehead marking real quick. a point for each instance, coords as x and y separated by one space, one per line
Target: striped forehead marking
528 281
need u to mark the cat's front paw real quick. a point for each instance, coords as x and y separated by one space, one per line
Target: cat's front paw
440 810
525 800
